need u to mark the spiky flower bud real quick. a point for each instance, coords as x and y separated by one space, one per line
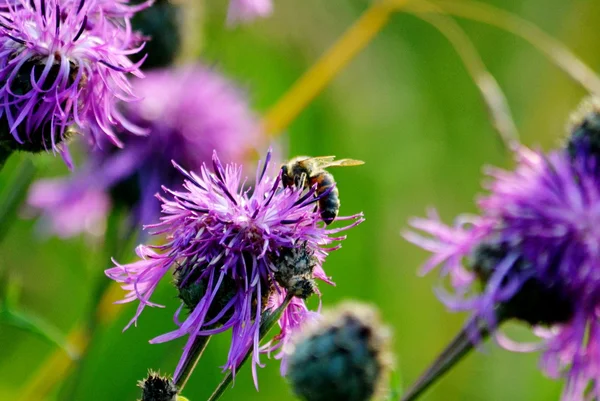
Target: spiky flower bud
344 356
158 388
294 269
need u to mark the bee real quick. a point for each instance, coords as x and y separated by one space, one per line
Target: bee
304 171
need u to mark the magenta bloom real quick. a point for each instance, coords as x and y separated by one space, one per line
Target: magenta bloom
188 112
223 241
64 63
536 249
241 11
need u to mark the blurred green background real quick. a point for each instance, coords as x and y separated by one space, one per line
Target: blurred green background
408 108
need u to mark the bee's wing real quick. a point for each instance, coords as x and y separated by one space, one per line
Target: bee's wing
343 163
329 161
316 162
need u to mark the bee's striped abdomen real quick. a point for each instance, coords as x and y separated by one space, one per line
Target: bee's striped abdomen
329 205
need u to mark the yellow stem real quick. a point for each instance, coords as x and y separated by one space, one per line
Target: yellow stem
55 368
355 39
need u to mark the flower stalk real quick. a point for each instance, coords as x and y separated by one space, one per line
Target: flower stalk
459 347
190 363
268 320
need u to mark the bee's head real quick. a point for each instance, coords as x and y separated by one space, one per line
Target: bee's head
286 176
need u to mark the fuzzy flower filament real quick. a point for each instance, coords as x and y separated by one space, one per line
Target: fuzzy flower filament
223 241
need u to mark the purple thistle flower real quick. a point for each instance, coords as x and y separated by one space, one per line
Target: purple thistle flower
243 11
188 111
64 63
223 244
536 249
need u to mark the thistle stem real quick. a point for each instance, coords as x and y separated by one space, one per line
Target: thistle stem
266 325
194 356
458 348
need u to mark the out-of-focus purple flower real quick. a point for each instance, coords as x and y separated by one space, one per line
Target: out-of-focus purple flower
64 63
241 11
78 211
188 112
536 249
223 241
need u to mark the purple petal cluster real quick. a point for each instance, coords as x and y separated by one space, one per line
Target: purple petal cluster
536 248
222 240
188 112
64 63
242 11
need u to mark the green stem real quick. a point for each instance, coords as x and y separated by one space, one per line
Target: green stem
195 354
458 348
265 326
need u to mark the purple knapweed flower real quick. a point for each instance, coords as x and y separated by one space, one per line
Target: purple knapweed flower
224 246
242 11
64 63
188 112
536 248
